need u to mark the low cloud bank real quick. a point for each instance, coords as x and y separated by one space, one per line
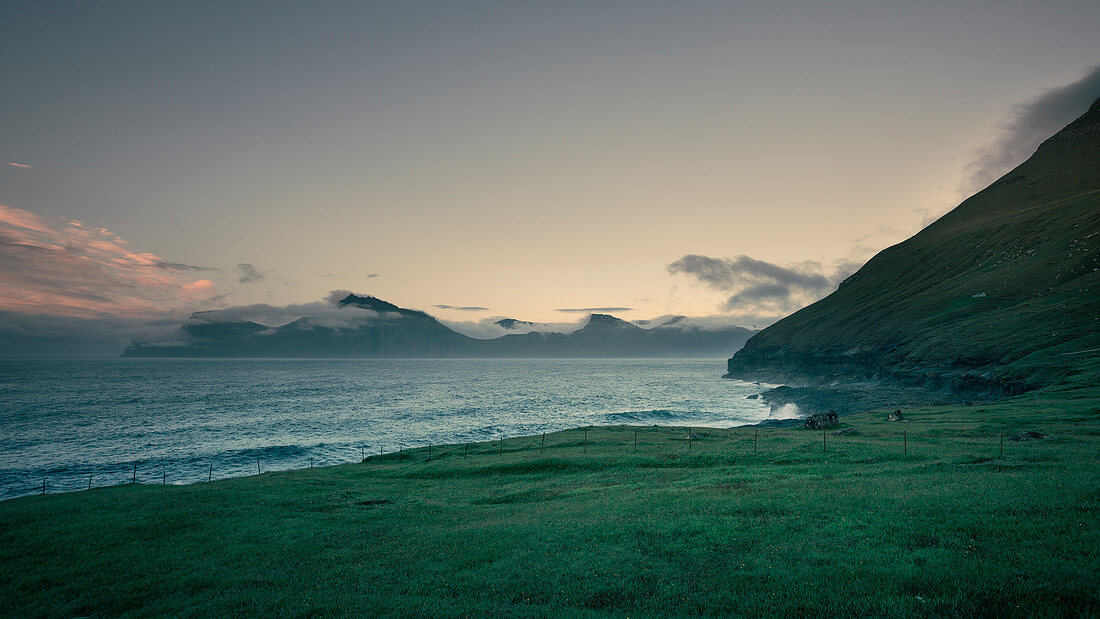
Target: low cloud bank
323 313
487 328
41 335
25 334
716 322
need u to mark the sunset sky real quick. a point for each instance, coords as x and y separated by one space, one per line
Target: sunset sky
478 159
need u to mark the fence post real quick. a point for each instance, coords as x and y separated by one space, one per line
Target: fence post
311 462
586 440
210 476
429 451
257 465
755 434
164 478
89 482
905 441
635 440
466 452
500 452
43 486
542 446
133 480
691 438
823 440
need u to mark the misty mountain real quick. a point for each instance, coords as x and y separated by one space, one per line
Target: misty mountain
365 326
997 296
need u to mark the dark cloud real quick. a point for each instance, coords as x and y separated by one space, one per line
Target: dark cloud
251 274
1032 122
341 275
178 266
726 273
463 308
248 274
589 310
761 287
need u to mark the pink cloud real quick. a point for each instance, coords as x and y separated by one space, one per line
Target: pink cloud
18 165
72 270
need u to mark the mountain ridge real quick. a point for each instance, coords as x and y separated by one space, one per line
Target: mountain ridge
373 328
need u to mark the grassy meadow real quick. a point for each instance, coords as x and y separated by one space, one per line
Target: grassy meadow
744 521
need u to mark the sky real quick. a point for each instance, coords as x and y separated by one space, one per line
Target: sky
536 160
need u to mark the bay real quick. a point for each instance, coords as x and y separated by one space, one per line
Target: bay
64 420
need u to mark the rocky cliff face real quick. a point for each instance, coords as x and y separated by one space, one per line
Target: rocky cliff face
999 295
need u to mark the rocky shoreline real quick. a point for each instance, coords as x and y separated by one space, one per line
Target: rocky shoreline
857 397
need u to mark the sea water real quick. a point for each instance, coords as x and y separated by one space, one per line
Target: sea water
75 422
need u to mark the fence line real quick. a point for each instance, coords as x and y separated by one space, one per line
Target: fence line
400 453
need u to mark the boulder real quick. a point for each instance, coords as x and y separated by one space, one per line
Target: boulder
820 421
895 416
847 432
1029 436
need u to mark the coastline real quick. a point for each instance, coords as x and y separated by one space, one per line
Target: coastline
924 517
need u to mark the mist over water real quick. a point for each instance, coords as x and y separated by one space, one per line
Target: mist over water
66 420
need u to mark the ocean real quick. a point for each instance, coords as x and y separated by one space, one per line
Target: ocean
74 422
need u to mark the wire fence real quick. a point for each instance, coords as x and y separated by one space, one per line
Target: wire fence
616 440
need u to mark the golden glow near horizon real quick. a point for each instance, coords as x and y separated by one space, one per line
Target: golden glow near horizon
523 160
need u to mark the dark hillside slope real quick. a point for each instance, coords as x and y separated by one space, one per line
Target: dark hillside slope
999 295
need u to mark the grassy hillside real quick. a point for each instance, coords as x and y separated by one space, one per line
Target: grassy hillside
1004 289
731 522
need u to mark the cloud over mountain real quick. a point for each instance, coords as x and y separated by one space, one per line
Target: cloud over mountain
1030 123
489 328
323 313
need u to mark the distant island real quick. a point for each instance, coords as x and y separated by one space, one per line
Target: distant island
368 327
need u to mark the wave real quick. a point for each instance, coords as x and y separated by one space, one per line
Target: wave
275 452
789 410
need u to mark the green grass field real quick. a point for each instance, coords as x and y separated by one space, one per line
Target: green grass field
707 526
